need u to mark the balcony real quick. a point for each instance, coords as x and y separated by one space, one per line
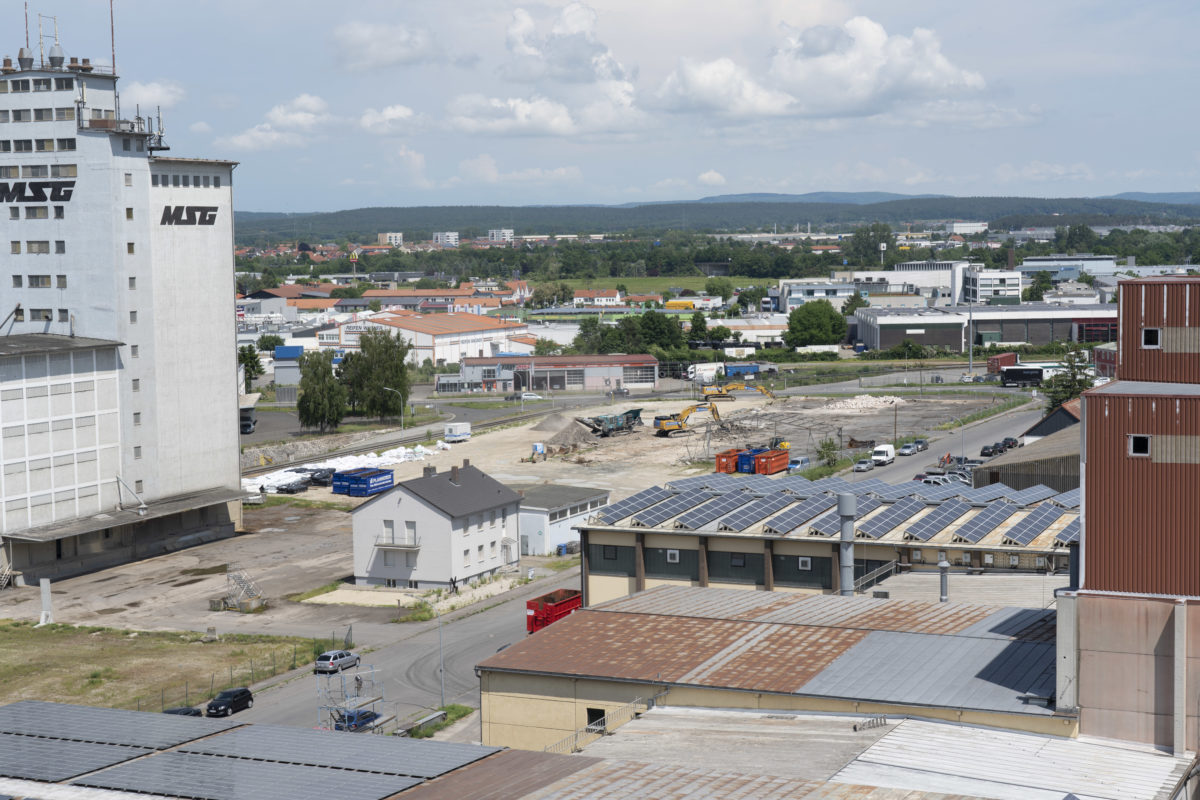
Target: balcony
398 543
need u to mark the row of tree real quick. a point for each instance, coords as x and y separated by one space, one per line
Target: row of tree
372 382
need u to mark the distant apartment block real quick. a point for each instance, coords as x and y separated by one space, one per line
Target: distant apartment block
391 239
505 235
991 286
446 238
966 228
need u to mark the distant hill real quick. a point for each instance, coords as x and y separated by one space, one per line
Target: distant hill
1184 198
852 198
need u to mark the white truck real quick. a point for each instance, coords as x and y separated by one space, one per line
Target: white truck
456 432
883 454
704 373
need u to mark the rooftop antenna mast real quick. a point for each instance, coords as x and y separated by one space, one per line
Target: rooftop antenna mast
27 23
112 35
41 44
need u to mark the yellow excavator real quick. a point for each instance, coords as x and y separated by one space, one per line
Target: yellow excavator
667 424
726 392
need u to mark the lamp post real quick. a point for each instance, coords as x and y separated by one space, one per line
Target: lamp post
441 660
402 401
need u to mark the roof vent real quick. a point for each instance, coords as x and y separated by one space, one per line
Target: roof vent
57 56
86 66
8 65
454 475
466 463
430 472
74 63
25 58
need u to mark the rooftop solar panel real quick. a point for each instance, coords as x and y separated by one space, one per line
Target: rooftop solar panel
714 509
1067 499
887 520
891 493
937 520
1033 494
108 725
41 759
671 507
633 504
800 513
1070 533
869 485
986 521
832 484
1034 523
985 494
763 507
831 523
695 482
192 775
935 494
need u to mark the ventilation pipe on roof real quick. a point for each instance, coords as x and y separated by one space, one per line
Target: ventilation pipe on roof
454 475
57 56
466 463
25 58
430 472
847 509
944 569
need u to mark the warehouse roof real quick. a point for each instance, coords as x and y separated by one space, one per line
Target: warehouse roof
441 324
550 496
29 344
1056 445
938 655
549 362
1137 388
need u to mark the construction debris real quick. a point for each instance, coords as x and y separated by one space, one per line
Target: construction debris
863 402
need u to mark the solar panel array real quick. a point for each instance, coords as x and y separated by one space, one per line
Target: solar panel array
935 494
39 759
985 494
937 520
672 506
714 509
896 492
986 521
1070 533
108 725
763 507
803 512
884 522
633 504
831 523
1067 499
1033 494
1034 523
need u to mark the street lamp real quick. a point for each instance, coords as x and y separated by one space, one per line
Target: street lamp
402 400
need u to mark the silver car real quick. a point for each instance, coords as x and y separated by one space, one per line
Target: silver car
335 661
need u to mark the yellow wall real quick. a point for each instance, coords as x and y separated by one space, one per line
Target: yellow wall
612 537
602 588
652 582
669 542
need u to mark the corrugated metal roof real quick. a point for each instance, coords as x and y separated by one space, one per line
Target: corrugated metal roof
1012 766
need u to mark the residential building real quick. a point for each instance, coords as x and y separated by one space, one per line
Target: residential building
966 228
955 326
446 238
391 239
552 373
120 398
550 512
990 287
795 292
1072 292
441 530
597 297
501 235
442 338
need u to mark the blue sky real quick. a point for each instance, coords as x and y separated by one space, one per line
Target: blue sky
465 102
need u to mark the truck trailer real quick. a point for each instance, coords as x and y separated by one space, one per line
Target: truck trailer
1021 376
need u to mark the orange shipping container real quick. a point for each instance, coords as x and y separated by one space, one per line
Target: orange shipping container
727 460
771 462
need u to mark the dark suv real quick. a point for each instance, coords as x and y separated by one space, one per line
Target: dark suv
229 702
987 451
1011 443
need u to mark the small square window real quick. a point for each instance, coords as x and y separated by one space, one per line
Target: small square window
60 247
136 384
16 281
133 351
129 213
132 317
1014 560
126 145
1139 445
14 212
672 556
60 212
137 486
129 248
60 281
737 560
129 179
608 552
804 563
132 283
64 315
1151 338
137 418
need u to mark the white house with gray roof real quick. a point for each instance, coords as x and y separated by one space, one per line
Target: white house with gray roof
437 531
550 512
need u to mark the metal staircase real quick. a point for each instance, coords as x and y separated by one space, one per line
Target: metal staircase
5 576
240 590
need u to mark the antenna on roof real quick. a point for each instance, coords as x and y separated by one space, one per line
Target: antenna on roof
112 35
27 23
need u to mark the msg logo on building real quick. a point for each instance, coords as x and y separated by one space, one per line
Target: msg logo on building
36 191
189 215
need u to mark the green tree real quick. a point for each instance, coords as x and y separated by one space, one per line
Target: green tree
751 299
590 338
720 334
375 305
1043 282
322 401
660 329
385 388
863 247
719 286
428 283
352 374
815 322
248 359
545 347
1073 381
853 303
699 326
269 341
827 452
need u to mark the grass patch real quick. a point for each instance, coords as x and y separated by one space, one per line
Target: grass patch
984 413
454 712
560 564
421 612
218 569
317 592
274 500
822 471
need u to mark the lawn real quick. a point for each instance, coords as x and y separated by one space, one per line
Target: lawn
135 669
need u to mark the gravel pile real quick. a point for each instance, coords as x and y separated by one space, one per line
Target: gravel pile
863 402
553 423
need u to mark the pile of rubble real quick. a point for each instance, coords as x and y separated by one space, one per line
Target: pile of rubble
863 402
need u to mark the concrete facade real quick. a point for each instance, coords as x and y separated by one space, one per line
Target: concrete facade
550 514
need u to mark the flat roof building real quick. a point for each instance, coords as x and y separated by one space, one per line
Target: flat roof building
953 327
552 373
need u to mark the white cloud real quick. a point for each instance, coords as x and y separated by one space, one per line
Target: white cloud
570 52
483 169
475 113
1042 171
363 46
392 119
721 86
288 124
261 137
200 127
411 163
711 178
156 94
669 183
304 112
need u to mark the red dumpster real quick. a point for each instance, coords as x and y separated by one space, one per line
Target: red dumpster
551 607
727 460
771 462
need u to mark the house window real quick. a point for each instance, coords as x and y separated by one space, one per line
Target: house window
1151 338
609 552
154 179
43 115
737 559
41 84
23 145
479 553
137 418
129 179
64 84
37 212
1014 561
216 182
43 145
20 115
492 549
64 170
133 351
137 384
64 114
132 317
137 451
126 145
672 556
1139 445
60 212
61 280
39 281
132 283
14 213
129 248
64 315
389 558
60 246
15 248
19 315
388 583
467 557
129 213
137 486
16 281
41 314
40 248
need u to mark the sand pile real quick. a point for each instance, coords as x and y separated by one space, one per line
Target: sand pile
552 423
573 434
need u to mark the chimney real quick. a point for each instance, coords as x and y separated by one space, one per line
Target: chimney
466 463
454 475
430 472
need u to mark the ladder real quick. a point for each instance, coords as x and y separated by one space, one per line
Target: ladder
239 586
5 576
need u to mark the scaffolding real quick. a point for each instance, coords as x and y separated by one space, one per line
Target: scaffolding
353 701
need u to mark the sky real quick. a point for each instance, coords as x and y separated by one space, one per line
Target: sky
336 105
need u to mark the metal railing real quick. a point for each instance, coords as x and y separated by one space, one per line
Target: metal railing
606 724
399 542
872 577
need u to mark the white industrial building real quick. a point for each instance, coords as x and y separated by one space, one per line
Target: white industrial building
550 513
989 286
504 235
437 531
966 228
442 338
118 381
446 238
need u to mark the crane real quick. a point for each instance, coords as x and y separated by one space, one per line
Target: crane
726 392
666 424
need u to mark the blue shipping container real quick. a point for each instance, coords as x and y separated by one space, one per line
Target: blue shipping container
362 482
740 369
746 459
288 352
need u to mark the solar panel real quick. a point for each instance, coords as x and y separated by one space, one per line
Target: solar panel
40 759
1033 494
763 507
797 485
831 523
832 484
1035 523
985 494
937 520
1070 533
633 504
714 509
108 725
938 493
891 493
869 485
696 482
803 512
671 507
193 775
1067 499
986 521
889 519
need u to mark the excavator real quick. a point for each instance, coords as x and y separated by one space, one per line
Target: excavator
726 392
667 424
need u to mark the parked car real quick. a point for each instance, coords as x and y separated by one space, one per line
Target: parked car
920 476
184 711
921 444
530 396
335 661
909 449
512 398
620 392
998 447
937 379
864 465
799 464
247 427
356 720
292 487
936 480
229 702
987 451
1011 443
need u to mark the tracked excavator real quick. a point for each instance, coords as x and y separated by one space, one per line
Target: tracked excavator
667 424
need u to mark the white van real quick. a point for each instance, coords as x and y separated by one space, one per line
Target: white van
883 454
